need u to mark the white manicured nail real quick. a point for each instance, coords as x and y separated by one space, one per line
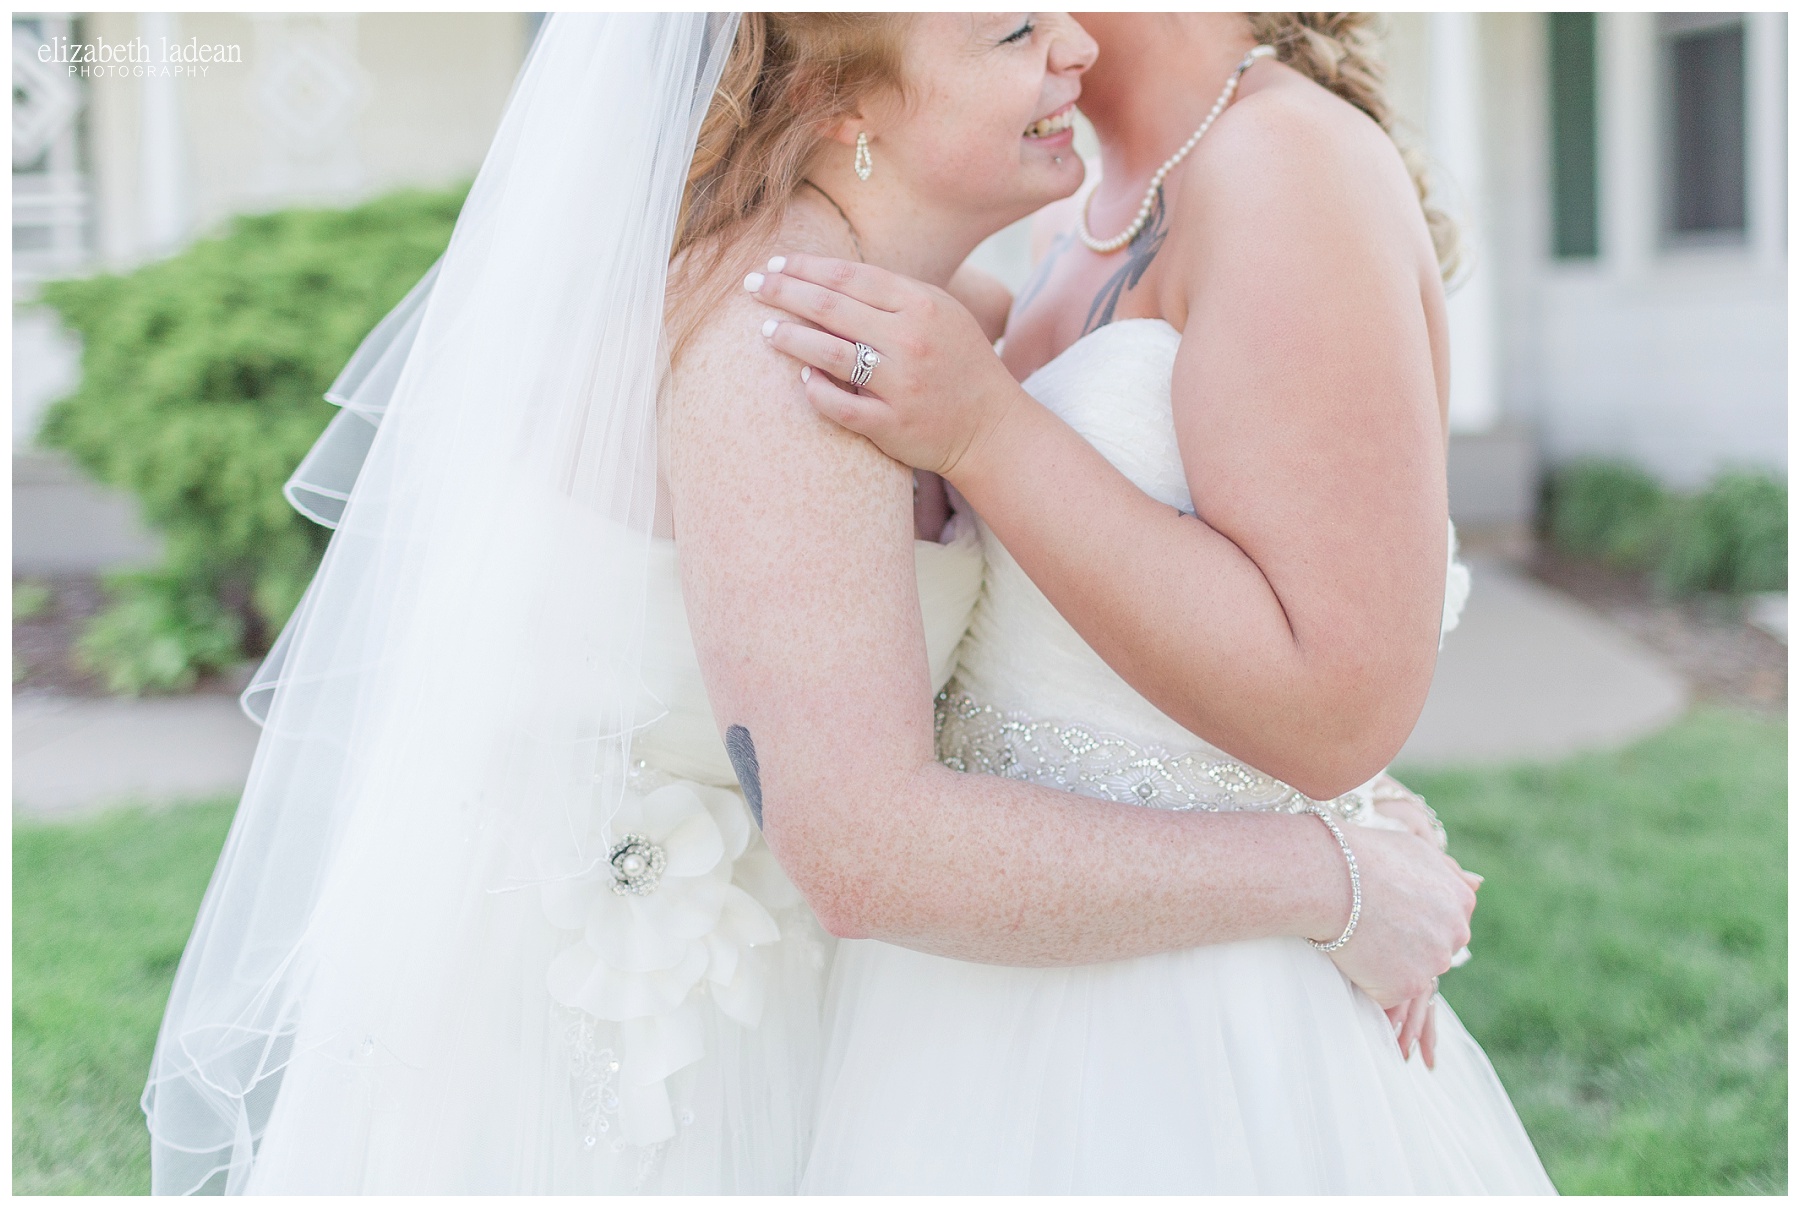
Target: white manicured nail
753 282
777 263
806 373
769 327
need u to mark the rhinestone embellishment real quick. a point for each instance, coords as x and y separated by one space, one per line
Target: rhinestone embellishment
973 737
637 865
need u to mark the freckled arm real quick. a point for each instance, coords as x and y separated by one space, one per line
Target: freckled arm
795 542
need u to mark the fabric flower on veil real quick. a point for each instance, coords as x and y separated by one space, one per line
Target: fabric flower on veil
660 920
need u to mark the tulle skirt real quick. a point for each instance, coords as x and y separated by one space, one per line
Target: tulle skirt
1253 1067
474 1081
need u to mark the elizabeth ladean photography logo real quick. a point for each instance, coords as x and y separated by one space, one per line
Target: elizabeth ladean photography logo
137 57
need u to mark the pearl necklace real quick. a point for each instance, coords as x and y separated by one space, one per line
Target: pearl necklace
1107 246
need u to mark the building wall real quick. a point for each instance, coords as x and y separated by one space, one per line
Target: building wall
1671 356
327 108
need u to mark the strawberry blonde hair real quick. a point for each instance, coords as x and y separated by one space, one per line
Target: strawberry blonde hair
789 78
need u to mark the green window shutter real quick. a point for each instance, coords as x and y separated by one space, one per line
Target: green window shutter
1574 135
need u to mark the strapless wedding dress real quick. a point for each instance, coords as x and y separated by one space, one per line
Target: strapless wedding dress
600 1041
1245 1067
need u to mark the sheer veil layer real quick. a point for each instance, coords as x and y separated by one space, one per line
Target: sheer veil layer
448 716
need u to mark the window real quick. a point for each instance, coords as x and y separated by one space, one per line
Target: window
1705 144
49 182
1574 137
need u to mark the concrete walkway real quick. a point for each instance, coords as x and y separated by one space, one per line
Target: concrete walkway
65 521
1530 674
73 756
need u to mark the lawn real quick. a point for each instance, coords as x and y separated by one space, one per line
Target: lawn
1630 971
101 910
1630 979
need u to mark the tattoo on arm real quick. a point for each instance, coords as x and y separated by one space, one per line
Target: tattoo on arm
743 761
1138 255
1041 273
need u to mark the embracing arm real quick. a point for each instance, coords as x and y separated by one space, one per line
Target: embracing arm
1293 620
798 573
985 297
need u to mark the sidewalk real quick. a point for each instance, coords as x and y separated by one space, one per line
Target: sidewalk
1529 674
74 756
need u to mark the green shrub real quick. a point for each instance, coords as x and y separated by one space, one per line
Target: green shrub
201 386
160 632
30 599
1731 537
1608 510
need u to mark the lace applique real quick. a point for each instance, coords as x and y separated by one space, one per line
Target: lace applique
973 737
593 1077
594 1088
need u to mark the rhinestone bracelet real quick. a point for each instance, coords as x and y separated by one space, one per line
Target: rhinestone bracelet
1355 883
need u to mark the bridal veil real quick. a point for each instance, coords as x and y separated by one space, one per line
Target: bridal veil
448 716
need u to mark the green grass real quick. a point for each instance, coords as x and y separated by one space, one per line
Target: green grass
1630 971
1630 980
101 910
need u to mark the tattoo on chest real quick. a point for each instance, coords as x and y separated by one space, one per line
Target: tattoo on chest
1039 275
743 761
1138 255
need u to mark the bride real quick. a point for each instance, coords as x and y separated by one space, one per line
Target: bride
490 918
1233 412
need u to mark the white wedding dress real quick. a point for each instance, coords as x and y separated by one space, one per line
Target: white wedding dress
1244 1067
577 1040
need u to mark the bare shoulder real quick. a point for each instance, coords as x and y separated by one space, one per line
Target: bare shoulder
1296 124
725 366
738 435
1293 161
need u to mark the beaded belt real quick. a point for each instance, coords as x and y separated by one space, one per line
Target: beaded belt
973 737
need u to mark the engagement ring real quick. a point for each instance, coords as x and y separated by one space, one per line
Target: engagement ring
866 360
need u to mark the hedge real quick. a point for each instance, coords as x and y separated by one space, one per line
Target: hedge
201 389
1729 537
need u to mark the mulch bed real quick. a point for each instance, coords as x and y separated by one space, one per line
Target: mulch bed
43 644
1707 639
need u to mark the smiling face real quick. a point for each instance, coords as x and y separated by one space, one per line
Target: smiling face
986 126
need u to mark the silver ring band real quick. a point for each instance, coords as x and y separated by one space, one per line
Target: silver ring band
866 360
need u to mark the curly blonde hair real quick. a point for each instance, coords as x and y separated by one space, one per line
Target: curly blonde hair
1339 51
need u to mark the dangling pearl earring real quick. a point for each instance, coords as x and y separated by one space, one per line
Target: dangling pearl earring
865 164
